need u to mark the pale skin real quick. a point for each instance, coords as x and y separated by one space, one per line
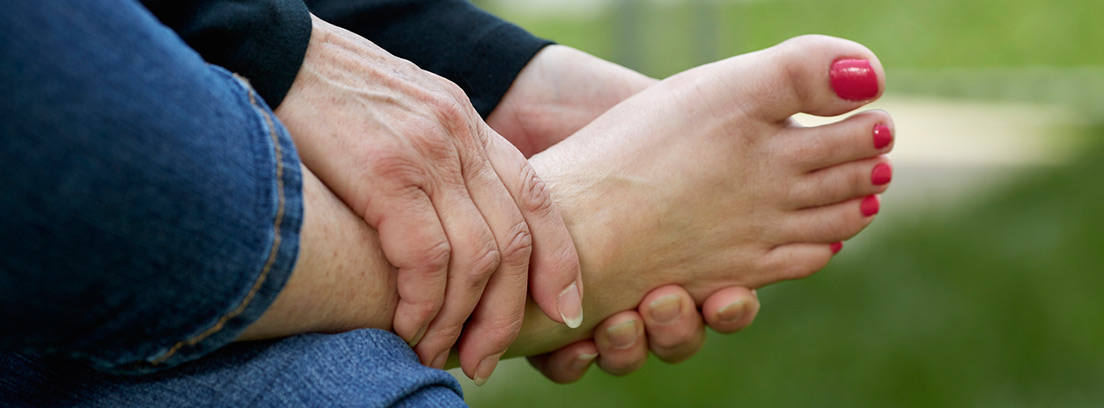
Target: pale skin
456 208
560 91
701 181
460 213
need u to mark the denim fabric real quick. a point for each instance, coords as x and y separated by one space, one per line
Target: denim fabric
363 368
151 202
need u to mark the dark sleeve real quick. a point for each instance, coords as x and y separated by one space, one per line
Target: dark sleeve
262 40
452 38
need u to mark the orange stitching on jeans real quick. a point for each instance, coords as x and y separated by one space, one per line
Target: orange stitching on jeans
271 255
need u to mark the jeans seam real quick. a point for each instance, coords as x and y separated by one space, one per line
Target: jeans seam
273 252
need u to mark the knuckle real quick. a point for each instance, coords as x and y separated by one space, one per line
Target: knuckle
520 246
435 258
395 166
428 137
452 111
534 194
423 311
485 262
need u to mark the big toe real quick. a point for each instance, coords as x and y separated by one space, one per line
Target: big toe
814 74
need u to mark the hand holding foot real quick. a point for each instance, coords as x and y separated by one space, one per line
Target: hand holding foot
460 213
701 181
557 93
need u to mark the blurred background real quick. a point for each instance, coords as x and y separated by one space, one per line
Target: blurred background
982 282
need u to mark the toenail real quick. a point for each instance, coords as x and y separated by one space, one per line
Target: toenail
854 79
882 174
622 335
870 205
581 361
836 247
666 309
882 136
733 311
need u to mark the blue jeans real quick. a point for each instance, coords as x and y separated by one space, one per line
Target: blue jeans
151 212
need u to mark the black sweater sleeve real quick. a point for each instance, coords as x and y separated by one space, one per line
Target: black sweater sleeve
262 40
452 38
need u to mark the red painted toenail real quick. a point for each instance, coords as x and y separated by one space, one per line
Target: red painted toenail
882 136
836 247
882 174
870 205
854 79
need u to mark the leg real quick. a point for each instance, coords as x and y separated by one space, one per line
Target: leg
157 201
362 368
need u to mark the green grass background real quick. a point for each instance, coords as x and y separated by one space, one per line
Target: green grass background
999 303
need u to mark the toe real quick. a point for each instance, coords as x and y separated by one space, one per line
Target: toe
795 261
834 222
815 74
861 136
842 182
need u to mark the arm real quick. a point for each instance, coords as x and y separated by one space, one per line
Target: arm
404 149
262 40
451 38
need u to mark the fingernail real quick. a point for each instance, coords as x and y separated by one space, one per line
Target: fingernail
666 309
570 304
882 136
882 174
622 335
854 79
583 361
440 361
869 205
418 336
485 368
732 312
836 247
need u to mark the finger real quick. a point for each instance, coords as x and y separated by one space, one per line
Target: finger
496 320
622 347
731 309
555 281
414 242
671 320
567 364
475 257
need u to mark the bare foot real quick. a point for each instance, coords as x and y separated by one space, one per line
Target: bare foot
701 181
704 180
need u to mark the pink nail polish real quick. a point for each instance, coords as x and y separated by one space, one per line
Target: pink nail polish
870 205
882 174
836 247
882 136
854 79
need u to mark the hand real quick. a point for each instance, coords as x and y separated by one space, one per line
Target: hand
557 93
455 205
673 330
